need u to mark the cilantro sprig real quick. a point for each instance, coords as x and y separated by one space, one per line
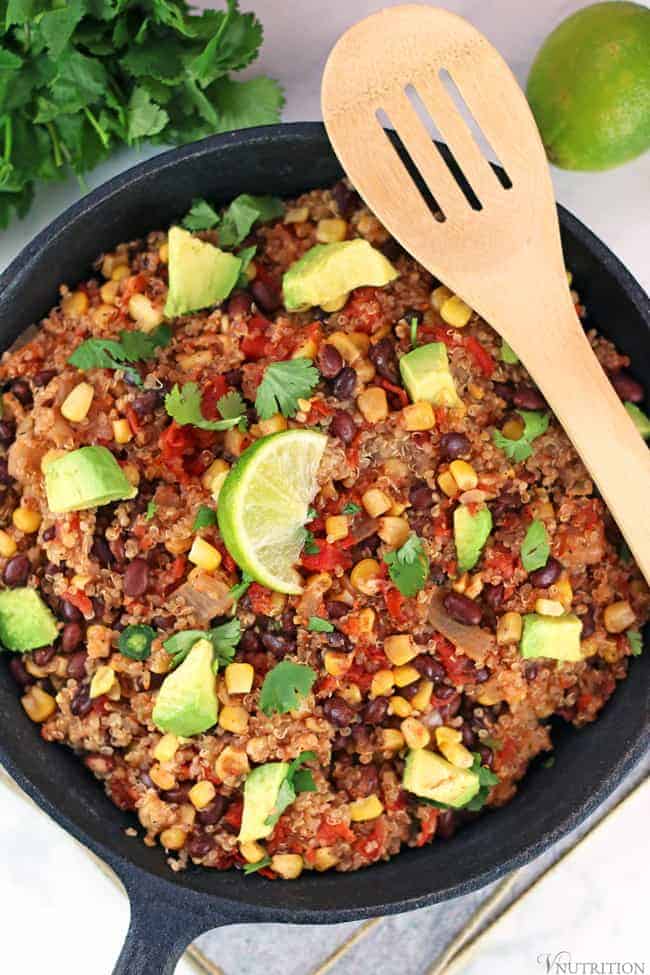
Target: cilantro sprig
535 424
285 687
258 865
284 383
317 624
296 780
117 354
237 220
183 404
239 590
224 640
535 548
408 566
206 517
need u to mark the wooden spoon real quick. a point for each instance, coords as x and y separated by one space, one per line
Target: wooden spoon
505 259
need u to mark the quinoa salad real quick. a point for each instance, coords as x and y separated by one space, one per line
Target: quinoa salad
294 555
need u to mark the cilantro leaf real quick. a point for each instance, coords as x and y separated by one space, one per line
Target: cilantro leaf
641 419
245 255
296 780
310 547
151 510
284 383
408 566
285 686
184 406
535 424
535 548
145 116
635 640
241 588
205 518
351 508
232 406
258 865
318 625
244 211
508 355
132 346
201 216
224 639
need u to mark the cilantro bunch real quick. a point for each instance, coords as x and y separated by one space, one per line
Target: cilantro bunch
79 79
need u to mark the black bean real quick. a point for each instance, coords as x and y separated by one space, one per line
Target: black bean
528 398
178 794
199 845
462 608
5 476
626 386
505 391
43 655
446 824
493 595
49 533
420 496
343 427
382 355
77 665
469 738
481 675
22 392
445 692
338 641
69 612
267 295
487 756
489 619
52 569
345 383
330 361
531 669
412 313
338 712
450 708
136 578
345 198
71 637
101 551
375 711
547 575
429 668
19 672
437 574
134 376
276 643
145 404
508 501
454 445
588 624
336 609
81 703
250 642
391 249
239 304
7 432
44 377
16 571
233 377
210 815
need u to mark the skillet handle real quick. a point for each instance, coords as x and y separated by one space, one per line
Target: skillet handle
159 933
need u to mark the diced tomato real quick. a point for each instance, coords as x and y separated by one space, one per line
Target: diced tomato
325 686
400 802
428 825
234 813
450 337
441 527
268 873
394 601
318 411
132 417
364 310
328 833
81 601
501 560
506 754
459 668
328 557
362 678
371 847
255 345
227 560
212 391
261 599
393 388
481 356
135 284
177 568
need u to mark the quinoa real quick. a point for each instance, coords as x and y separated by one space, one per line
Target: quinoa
127 562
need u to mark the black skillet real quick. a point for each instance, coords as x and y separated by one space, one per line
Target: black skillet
169 910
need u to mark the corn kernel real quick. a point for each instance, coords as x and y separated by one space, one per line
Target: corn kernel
399 649
365 621
38 704
337 663
549 607
297 215
239 678
26 520
513 429
202 794
372 404
275 424
119 272
252 851
109 291
464 475
351 694
509 628
399 706
122 431
306 350
564 591
439 296
421 701
418 416
206 556
34 669
166 748
76 303
7 545
489 696
173 838
375 501
392 740
77 403
287 865
144 312
365 576
103 314
233 441
361 340
162 777
324 857
455 312
232 764
234 718
393 531
361 810
345 346
382 683
618 617
405 675
102 681
331 231
447 483
163 253
336 527
416 735
449 741
366 372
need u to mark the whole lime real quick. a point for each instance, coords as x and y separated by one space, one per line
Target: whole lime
589 87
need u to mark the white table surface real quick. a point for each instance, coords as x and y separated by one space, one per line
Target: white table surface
60 914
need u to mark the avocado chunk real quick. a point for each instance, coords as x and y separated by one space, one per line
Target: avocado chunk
556 637
261 792
432 777
187 702
199 273
328 271
641 419
427 376
26 623
85 478
470 535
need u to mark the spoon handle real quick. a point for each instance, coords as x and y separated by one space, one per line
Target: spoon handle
558 355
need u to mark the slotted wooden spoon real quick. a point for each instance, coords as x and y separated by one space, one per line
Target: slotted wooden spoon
505 259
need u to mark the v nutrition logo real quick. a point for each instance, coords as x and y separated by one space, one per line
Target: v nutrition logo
561 963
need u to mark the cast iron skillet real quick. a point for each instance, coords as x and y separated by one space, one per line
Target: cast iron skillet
169 910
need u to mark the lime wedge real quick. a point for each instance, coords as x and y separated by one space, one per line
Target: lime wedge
263 506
